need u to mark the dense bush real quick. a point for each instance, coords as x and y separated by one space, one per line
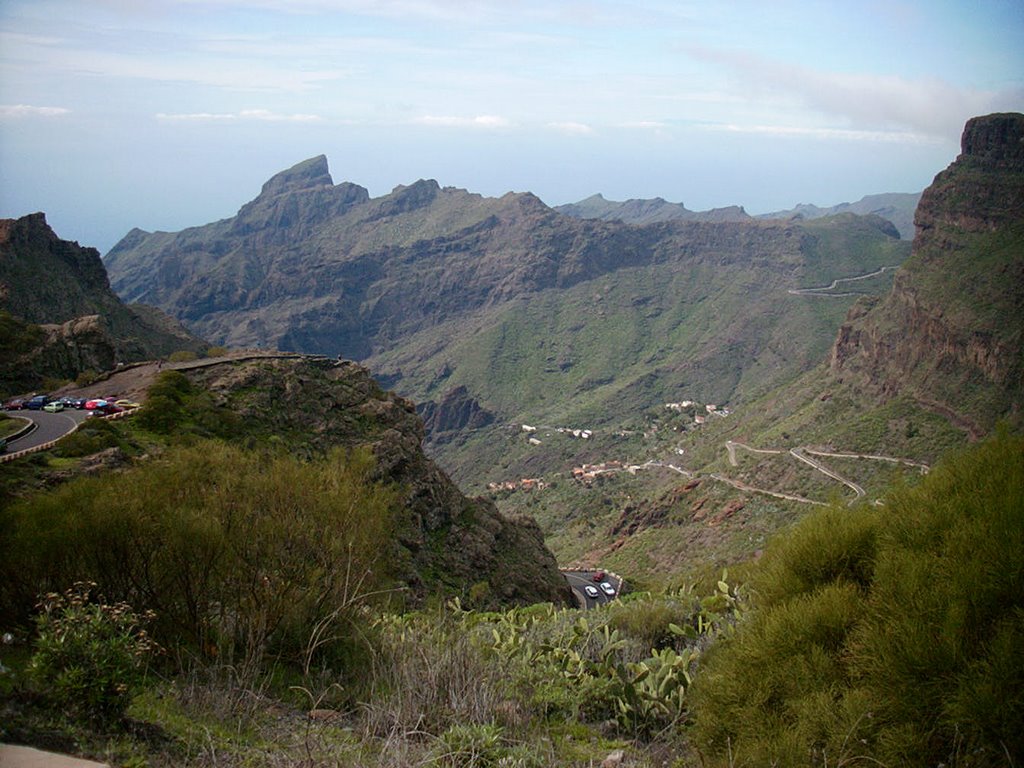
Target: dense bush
893 634
92 436
240 554
90 656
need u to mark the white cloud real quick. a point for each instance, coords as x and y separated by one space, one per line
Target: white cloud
644 124
27 110
868 102
572 129
245 114
448 121
888 137
263 114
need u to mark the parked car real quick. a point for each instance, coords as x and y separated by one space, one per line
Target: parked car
16 404
54 406
599 576
127 404
98 402
608 589
36 403
106 409
72 402
591 591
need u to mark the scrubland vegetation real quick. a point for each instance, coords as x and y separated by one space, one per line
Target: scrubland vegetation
220 605
891 634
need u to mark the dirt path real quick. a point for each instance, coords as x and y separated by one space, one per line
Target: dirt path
27 757
778 495
871 457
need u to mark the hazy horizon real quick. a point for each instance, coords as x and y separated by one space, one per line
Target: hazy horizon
164 114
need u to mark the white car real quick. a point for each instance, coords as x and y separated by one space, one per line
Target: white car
608 589
591 591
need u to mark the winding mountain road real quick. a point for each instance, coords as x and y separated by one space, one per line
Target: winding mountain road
800 453
822 289
48 427
579 580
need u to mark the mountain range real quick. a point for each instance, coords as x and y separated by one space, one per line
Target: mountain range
894 206
491 311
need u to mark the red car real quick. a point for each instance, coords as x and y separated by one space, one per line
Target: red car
17 404
598 576
104 409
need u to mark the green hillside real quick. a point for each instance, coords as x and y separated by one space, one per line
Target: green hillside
720 327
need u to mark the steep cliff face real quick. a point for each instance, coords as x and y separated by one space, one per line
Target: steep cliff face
455 413
445 541
951 332
63 287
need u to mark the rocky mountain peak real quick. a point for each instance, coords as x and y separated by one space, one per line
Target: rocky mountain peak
305 175
409 198
996 140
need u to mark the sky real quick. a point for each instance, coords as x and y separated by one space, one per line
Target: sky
165 114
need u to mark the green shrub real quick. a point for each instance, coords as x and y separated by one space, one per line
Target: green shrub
649 622
240 554
175 407
90 656
470 746
92 436
85 378
160 414
835 544
891 634
182 356
50 383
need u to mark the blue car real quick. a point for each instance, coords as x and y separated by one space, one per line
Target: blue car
37 402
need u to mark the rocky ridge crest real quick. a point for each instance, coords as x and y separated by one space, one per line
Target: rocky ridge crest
951 332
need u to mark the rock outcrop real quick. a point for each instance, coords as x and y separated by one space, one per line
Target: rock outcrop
951 332
62 287
445 542
456 412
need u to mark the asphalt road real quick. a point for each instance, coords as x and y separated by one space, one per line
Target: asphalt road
579 580
49 426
